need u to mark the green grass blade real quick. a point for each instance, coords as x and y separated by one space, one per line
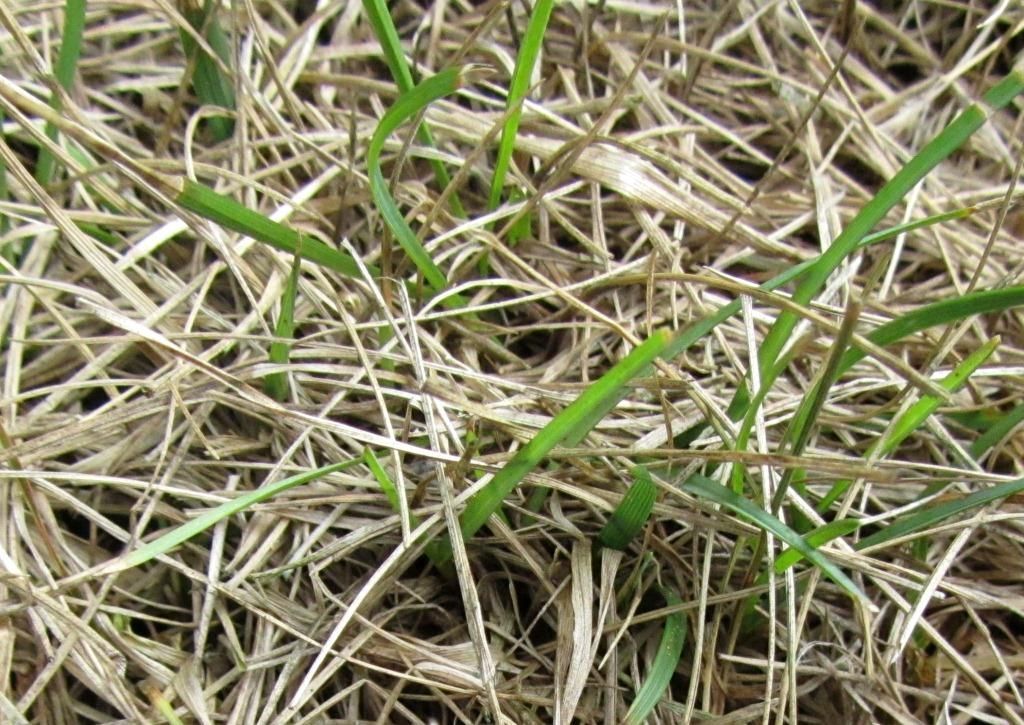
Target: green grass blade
811 282
698 330
802 423
387 35
717 493
180 534
912 418
568 421
385 483
408 106
230 214
212 86
803 420
632 513
276 384
67 64
529 50
670 649
815 539
934 515
435 550
933 153
997 431
938 313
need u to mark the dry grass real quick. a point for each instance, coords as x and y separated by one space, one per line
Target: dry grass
309 608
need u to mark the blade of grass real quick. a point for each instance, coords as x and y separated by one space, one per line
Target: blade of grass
803 421
632 513
230 214
938 313
934 515
790 557
670 649
997 431
811 282
434 550
160 703
180 534
407 106
526 59
67 64
387 35
538 496
815 539
212 86
724 496
913 417
568 421
386 484
699 329
276 384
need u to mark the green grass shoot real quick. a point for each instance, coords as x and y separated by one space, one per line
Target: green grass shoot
435 549
276 383
387 35
407 106
663 666
212 85
177 536
940 513
64 73
997 431
953 137
230 214
526 60
566 423
916 415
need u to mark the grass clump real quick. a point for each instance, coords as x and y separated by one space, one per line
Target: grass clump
731 368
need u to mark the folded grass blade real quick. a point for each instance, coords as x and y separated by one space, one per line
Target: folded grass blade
802 423
917 414
212 85
387 35
408 106
815 539
232 215
276 384
632 513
